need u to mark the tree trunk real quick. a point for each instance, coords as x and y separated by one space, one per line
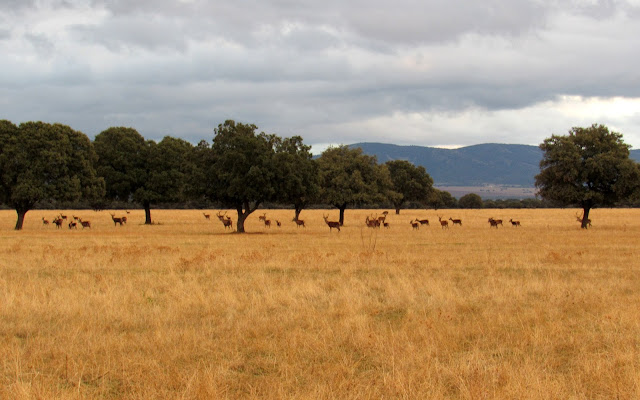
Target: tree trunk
342 208
147 213
244 210
585 217
240 222
398 206
21 213
298 211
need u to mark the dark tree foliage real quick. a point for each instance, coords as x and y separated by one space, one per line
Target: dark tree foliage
297 173
144 171
410 182
41 161
242 172
589 167
347 176
470 200
441 199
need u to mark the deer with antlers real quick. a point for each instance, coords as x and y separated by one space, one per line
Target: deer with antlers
226 221
372 222
456 221
443 224
331 224
580 218
116 220
514 223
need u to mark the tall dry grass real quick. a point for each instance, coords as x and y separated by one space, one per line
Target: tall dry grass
183 309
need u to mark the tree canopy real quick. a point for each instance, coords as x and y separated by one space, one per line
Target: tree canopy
470 200
348 176
589 167
410 182
40 161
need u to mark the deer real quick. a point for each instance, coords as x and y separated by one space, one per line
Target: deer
116 220
75 218
423 221
128 212
456 221
415 224
514 223
386 225
331 224
262 217
73 225
443 224
207 216
58 222
267 223
580 219
45 221
63 216
372 223
493 222
85 224
278 223
124 220
382 219
299 222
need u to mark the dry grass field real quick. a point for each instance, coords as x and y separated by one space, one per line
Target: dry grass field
183 309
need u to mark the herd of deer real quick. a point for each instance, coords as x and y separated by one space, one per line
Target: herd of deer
59 219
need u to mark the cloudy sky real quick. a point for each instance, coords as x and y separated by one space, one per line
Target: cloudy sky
431 72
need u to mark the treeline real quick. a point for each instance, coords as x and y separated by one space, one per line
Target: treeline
46 165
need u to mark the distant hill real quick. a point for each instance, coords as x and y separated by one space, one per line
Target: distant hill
478 165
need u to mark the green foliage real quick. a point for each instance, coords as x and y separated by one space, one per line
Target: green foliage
441 199
410 182
243 172
347 176
299 182
470 200
41 161
588 167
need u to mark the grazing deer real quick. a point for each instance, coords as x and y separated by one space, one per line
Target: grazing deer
299 222
278 223
85 224
267 223
58 222
498 221
456 221
73 225
331 224
415 224
262 217
116 220
44 221
423 221
207 216
514 223
443 224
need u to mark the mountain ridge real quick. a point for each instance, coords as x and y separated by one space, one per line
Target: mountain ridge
476 165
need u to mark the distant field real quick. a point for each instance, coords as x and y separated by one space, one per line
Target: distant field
492 191
183 309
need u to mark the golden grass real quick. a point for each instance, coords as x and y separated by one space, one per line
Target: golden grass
183 309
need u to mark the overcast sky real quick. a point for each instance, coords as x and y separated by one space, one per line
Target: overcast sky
431 72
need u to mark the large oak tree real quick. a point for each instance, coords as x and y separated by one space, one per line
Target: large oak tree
42 161
589 167
410 182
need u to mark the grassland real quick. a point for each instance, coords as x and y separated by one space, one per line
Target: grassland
183 309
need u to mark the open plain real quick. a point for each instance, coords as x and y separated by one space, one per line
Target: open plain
185 309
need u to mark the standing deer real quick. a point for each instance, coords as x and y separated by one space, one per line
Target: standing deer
443 224
267 223
207 216
278 223
44 221
85 224
262 217
514 223
456 221
73 225
580 219
299 222
494 222
415 224
116 220
226 221
331 224
58 222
